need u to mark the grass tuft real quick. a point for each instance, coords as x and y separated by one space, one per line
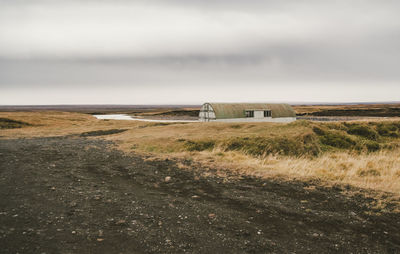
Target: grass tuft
363 131
368 172
337 139
199 145
388 130
298 146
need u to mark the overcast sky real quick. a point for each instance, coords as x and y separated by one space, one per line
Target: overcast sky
188 52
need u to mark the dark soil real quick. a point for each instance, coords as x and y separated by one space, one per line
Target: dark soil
102 132
6 123
76 195
194 113
379 112
177 114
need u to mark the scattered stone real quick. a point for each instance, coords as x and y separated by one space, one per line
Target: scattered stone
120 222
234 228
212 215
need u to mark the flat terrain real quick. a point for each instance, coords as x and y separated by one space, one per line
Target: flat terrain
338 112
349 110
78 195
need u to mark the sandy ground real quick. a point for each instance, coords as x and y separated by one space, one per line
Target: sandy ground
78 195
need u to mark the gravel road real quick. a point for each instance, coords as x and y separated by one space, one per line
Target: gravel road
78 195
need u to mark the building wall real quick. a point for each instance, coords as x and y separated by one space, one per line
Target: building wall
258 113
206 113
237 110
264 119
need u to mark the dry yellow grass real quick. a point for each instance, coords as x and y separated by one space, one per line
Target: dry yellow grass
54 123
301 109
379 170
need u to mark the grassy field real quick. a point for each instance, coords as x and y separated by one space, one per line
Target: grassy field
363 153
359 110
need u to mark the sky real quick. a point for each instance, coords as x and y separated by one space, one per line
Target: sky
190 52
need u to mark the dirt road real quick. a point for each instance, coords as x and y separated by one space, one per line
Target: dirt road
76 195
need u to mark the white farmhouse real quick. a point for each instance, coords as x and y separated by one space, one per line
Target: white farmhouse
247 112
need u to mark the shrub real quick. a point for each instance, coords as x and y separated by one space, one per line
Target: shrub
338 140
199 145
383 130
388 130
363 131
392 127
337 126
297 146
372 146
311 144
319 131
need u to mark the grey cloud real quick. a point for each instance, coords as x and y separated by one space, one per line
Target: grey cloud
138 45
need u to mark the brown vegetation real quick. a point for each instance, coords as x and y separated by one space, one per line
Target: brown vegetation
6 123
363 154
360 110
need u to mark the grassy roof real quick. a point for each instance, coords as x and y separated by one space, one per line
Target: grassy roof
237 110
